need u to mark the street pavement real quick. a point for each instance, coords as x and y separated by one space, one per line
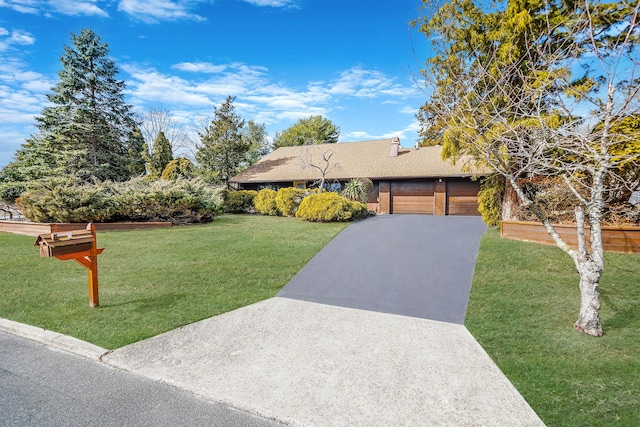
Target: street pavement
43 386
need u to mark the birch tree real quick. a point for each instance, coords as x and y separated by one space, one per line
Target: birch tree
541 89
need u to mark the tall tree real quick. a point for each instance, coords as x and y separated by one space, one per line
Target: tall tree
540 89
136 150
161 155
312 130
256 136
223 149
85 130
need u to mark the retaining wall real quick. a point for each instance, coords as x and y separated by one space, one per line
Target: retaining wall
37 228
614 239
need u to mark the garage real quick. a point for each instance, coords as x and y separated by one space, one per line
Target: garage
437 196
462 197
413 197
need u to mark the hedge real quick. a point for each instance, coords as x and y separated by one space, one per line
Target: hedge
329 207
265 202
180 201
288 199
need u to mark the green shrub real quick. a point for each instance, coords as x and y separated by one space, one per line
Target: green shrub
65 200
265 202
288 199
240 201
329 207
358 189
10 191
490 200
180 167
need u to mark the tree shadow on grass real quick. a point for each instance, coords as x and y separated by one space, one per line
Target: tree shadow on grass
626 310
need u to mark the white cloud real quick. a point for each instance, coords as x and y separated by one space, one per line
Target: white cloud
22 97
409 110
273 3
148 86
154 11
15 37
22 6
199 86
199 67
64 7
362 83
77 8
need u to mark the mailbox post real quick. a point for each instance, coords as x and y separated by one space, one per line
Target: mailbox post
78 245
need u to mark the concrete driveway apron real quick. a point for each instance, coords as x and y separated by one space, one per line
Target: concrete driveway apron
413 265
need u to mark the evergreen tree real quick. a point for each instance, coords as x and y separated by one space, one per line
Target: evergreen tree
256 136
312 130
161 155
86 129
223 149
136 150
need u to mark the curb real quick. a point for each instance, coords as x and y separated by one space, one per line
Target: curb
53 339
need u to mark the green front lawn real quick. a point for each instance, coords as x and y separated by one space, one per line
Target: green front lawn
523 302
522 307
152 281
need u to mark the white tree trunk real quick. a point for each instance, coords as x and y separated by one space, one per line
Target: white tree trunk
509 202
590 266
589 320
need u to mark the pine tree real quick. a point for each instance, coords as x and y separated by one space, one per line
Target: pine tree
161 155
136 151
86 131
256 136
223 148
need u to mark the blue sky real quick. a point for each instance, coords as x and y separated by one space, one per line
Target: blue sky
352 61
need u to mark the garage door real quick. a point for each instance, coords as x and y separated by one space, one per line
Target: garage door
462 197
412 197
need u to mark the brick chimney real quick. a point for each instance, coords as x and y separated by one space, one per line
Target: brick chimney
395 147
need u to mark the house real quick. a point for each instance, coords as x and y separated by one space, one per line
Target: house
406 180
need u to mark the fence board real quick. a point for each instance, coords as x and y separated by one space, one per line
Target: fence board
614 239
37 228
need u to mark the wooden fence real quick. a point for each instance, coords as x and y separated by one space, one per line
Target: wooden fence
614 239
37 228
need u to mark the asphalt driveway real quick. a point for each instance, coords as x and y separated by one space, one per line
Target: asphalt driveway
413 265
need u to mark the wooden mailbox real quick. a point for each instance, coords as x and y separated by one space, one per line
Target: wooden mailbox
57 244
78 245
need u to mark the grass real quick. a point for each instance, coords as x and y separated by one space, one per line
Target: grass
523 303
152 281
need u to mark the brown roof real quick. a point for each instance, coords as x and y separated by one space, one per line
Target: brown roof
367 159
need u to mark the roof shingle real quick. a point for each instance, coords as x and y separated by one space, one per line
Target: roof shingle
368 159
